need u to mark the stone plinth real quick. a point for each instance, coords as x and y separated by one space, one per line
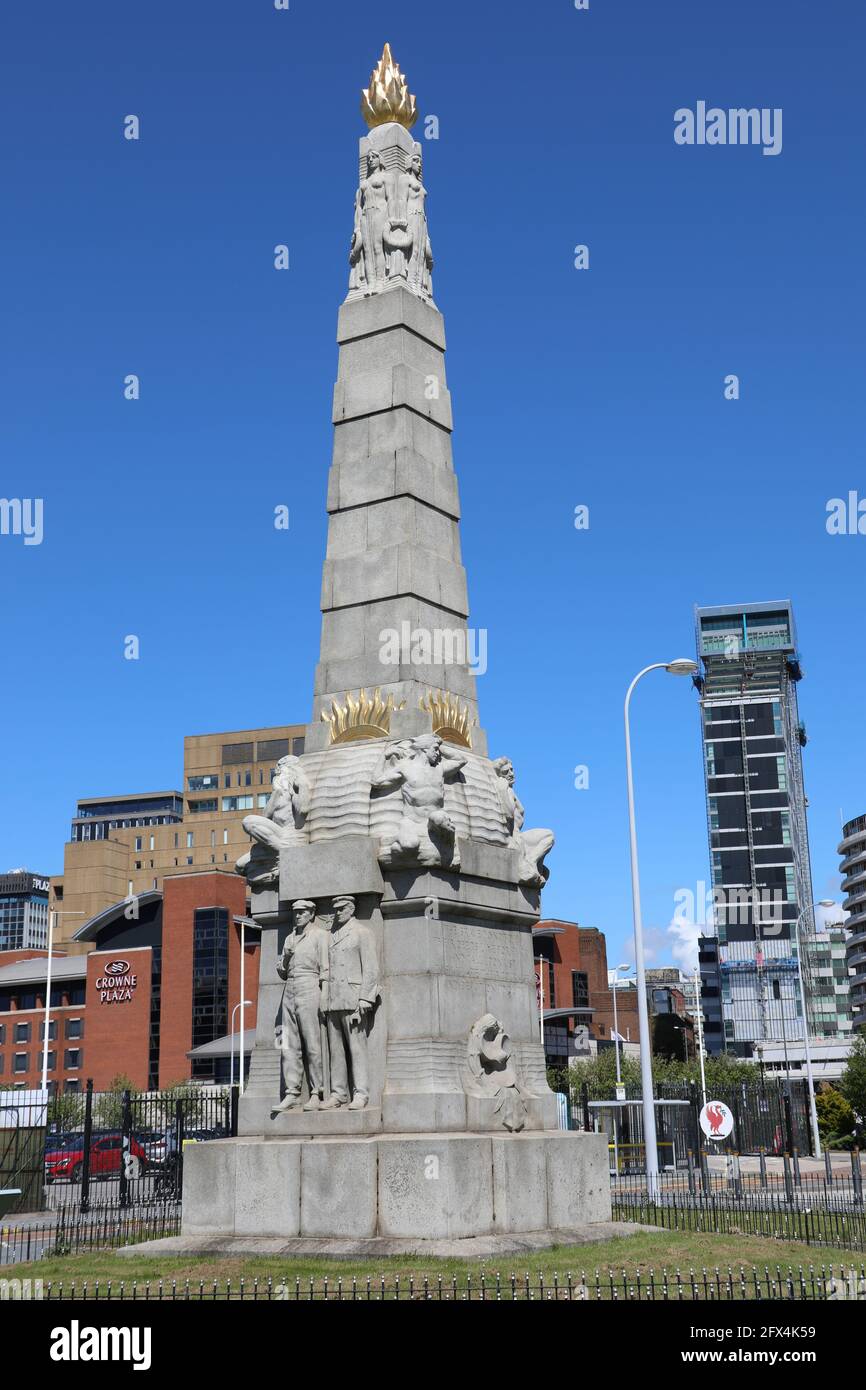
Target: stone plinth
425 1186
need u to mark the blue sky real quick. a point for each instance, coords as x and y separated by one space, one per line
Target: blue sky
602 387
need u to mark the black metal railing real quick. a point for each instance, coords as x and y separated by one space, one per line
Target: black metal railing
742 1283
72 1233
106 1150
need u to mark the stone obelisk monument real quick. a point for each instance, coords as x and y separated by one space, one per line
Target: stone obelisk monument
397 1086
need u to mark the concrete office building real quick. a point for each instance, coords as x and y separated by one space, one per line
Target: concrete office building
23 911
852 848
756 811
127 844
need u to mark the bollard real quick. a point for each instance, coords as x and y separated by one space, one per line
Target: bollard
857 1176
692 1186
705 1173
789 1185
828 1168
762 1163
797 1178
734 1178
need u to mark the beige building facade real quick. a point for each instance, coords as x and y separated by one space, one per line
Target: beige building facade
125 845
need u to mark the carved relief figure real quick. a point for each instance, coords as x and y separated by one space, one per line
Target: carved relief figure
532 844
420 768
304 965
352 993
413 194
281 825
390 241
374 195
491 1071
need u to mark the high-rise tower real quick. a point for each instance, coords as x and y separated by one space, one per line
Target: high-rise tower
756 810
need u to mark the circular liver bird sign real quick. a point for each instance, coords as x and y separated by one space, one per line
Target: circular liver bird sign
717 1119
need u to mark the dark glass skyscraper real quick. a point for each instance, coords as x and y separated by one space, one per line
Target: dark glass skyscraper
756 811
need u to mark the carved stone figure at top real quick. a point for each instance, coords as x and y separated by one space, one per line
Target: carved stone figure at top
374 197
281 825
532 844
491 1070
412 193
420 769
390 242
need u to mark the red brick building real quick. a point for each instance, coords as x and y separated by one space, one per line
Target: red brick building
572 964
160 977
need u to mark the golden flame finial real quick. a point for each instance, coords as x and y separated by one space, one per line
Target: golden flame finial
388 97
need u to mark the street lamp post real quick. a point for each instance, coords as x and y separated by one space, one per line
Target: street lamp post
813 1110
699 1012
613 988
242 1004
680 667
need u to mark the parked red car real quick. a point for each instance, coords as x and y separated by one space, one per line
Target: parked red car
106 1152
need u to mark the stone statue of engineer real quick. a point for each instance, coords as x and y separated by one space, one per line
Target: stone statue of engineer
352 993
304 965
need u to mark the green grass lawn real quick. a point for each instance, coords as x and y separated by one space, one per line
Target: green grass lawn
641 1252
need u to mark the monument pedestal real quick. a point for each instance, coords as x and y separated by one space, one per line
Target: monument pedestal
421 1186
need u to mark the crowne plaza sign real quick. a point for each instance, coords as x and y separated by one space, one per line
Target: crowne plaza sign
117 983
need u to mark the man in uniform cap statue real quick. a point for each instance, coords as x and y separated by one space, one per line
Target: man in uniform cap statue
304 967
352 993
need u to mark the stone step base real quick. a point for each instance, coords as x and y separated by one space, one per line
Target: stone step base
419 1186
379 1247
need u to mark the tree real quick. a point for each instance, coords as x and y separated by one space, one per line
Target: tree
853 1081
108 1109
835 1117
66 1111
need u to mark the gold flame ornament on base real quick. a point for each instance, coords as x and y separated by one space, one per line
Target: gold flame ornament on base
450 718
388 97
361 717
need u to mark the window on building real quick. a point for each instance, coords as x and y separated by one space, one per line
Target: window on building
580 989
210 974
75 1028
2 1032
72 1058
271 749
22 1032
225 836
52 1031
71 1086
20 1062
237 753
190 839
